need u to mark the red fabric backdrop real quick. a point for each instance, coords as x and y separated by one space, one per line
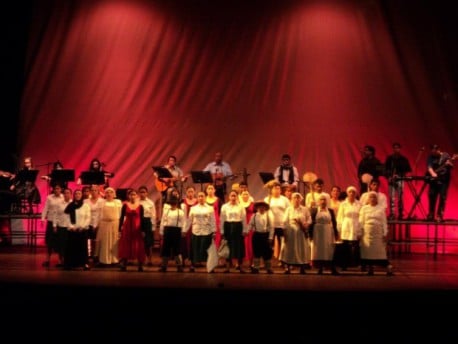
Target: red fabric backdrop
131 82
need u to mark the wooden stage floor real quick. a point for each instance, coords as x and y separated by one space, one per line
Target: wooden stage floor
423 288
413 272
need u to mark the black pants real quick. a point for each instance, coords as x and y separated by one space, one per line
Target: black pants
220 192
437 190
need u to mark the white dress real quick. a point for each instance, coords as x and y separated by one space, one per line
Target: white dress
323 237
108 233
295 247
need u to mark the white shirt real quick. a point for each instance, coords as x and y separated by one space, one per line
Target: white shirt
202 219
233 213
149 209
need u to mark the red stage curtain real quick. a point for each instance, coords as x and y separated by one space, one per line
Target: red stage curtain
131 82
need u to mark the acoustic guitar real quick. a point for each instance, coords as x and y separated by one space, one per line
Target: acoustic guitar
164 184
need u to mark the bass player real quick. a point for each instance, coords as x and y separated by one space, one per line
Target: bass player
439 166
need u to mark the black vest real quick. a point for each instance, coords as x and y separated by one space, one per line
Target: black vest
290 177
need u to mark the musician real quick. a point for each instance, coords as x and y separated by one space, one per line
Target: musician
439 166
97 166
369 164
221 171
26 189
287 174
397 166
167 185
7 197
63 183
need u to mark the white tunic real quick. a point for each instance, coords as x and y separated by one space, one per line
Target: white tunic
348 220
374 231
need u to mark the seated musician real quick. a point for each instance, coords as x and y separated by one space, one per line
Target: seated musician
7 197
25 188
63 183
167 185
97 166
287 174
220 171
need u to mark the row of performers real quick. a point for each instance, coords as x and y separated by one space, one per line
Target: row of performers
189 227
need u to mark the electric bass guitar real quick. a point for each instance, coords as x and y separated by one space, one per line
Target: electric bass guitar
440 170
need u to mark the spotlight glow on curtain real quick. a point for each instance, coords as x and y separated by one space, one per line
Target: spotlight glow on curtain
131 82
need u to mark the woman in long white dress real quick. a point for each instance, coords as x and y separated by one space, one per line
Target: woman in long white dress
324 236
295 248
108 230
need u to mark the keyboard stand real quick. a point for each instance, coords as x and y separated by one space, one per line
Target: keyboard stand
417 199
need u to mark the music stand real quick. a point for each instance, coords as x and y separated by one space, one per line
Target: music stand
27 176
92 178
266 177
162 172
63 175
201 177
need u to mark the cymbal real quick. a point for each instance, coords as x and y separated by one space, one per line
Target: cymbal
366 178
309 177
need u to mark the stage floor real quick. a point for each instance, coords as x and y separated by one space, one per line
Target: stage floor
423 290
22 265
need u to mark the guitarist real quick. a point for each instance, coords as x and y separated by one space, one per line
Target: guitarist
439 166
220 171
166 185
